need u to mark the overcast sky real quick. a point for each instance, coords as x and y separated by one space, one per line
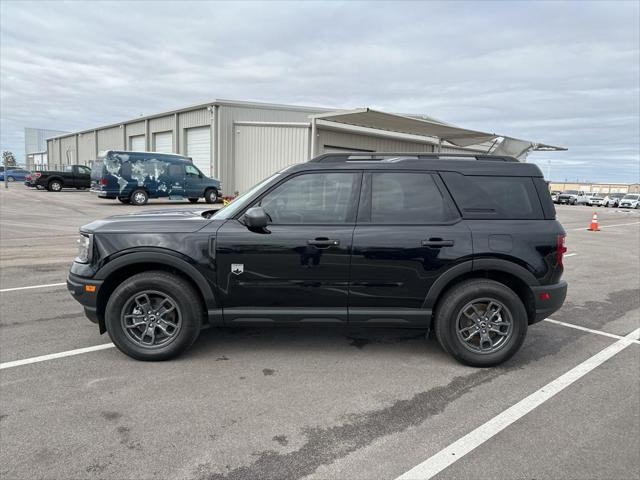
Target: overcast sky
559 73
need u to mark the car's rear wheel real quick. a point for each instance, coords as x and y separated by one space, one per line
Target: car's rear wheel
481 323
194 200
139 197
153 316
11 179
55 186
123 199
211 195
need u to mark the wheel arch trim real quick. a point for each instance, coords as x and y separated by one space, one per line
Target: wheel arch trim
483 264
166 258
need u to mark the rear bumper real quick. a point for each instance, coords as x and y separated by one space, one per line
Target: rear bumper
77 286
548 299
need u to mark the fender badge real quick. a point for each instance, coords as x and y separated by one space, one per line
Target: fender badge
237 268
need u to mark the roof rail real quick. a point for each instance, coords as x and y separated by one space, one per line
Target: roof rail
404 156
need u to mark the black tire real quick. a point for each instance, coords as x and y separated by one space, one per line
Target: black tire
187 314
54 186
139 197
449 313
211 195
10 179
194 200
123 199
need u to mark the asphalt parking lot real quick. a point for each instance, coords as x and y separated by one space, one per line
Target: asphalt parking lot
312 403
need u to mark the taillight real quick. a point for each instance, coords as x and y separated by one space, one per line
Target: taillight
560 248
38 174
103 181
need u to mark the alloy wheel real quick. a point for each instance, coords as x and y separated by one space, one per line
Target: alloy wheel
484 325
151 319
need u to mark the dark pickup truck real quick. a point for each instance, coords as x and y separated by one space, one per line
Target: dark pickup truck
71 176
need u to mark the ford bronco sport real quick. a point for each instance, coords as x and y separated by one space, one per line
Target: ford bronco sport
466 245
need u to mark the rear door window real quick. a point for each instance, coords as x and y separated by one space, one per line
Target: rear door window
486 197
409 198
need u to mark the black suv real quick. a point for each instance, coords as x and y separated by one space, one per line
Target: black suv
466 245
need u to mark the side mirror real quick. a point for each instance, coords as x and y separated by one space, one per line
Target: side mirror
256 218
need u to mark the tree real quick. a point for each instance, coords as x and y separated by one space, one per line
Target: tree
8 159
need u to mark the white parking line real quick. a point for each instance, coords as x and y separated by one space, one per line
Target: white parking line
569 255
458 449
590 330
609 226
53 356
32 286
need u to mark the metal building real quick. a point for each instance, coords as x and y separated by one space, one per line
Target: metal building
35 145
242 142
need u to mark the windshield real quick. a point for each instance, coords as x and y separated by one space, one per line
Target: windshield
239 202
631 197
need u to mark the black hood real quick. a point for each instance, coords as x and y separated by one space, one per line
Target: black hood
152 221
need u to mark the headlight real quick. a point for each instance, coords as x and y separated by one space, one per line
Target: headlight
85 248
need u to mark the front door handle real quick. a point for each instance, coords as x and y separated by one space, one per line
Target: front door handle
323 242
437 243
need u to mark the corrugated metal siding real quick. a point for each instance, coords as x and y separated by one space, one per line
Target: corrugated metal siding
365 142
136 128
86 147
161 124
110 139
52 152
228 114
260 151
68 150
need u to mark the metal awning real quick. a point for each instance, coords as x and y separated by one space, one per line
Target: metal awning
429 127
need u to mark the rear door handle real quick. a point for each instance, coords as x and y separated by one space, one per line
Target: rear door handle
437 243
323 242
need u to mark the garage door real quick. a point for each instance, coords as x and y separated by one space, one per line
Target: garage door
260 151
163 142
199 148
137 143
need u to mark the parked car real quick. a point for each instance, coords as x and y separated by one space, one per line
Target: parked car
134 177
592 200
555 194
573 197
408 240
612 199
14 174
71 176
631 200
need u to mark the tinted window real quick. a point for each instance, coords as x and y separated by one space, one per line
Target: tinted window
175 170
84 170
406 198
191 170
313 198
494 197
68 168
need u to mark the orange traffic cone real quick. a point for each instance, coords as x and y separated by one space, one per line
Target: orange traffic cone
594 223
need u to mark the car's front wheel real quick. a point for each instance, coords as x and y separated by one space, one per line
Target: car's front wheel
153 316
211 195
481 323
10 179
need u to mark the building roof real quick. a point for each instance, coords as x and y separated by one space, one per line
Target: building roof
430 127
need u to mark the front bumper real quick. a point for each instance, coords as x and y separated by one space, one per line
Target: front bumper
85 291
548 299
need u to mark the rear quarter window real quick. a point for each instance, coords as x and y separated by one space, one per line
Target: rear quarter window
494 197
